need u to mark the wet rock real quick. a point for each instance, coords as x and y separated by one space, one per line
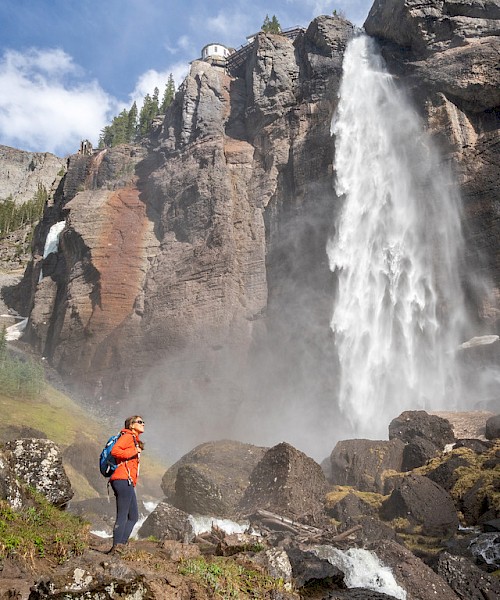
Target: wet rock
277 563
38 464
492 431
411 573
493 525
446 474
424 503
167 522
288 483
364 464
417 452
485 548
213 477
308 569
478 506
468 581
413 424
349 508
372 529
477 446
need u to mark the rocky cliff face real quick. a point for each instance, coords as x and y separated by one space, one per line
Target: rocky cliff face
192 274
22 172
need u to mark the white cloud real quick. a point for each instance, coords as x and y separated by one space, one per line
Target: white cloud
54 61
222 24
230 26
184 45
43 106
152 78
354 10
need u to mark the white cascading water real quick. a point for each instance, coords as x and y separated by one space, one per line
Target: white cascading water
52 241
398 311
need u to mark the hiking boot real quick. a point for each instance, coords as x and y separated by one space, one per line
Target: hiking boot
118 549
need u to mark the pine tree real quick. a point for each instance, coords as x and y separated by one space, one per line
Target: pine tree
148 112
132 123
155 99
271 25
168 95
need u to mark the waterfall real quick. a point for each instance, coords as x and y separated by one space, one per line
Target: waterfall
362 569
398 311
52 241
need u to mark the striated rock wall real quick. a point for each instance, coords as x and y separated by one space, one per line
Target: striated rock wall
192 279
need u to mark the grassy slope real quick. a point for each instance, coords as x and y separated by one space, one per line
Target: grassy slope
53 413
62 421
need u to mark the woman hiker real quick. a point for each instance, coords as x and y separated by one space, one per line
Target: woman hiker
127 452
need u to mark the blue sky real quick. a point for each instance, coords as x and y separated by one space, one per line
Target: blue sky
68 66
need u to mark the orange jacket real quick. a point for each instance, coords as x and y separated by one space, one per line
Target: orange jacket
127 457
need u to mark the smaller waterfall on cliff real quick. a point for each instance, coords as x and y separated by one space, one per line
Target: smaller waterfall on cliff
52 241
399 309
362 569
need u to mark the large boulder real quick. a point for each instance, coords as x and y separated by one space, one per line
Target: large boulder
10 489
38 464
478 503
417 452
82 457
211 479
364 464
492 431
351 509
468 581
485 549
286 482
411 573
348 508
446 474
413 424
424 504
167 523
308 567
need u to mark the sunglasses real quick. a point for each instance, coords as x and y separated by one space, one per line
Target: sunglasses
140 422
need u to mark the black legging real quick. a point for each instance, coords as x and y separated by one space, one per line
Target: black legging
127 513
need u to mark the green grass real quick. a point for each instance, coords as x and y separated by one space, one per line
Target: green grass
226 578
40 530
52 412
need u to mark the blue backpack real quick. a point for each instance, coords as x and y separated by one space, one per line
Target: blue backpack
107 462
